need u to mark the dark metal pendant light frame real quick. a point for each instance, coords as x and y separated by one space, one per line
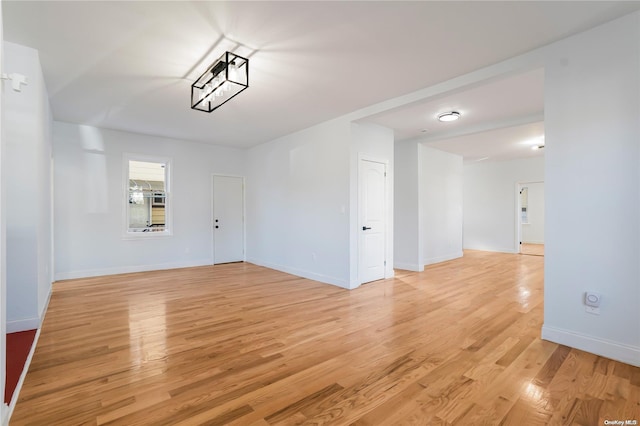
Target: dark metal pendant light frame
223 80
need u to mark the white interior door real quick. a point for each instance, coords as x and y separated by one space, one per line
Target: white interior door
371 187
228 219
533 230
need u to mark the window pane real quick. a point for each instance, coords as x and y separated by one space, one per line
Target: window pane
147 196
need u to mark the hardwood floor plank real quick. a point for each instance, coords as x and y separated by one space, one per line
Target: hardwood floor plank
522 414
532 249
487 416
400 406
301 404
229 416
515 351
515 379
632 406
589 410
550 368
239 344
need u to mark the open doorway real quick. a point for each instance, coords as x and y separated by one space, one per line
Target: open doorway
531 218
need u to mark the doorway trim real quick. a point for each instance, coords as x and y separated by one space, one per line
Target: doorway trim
212 214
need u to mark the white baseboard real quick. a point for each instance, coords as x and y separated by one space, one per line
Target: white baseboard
29 323
87 273
617 351
492 249
302 273
43 312
438 259
23 325
409 266
16 392
533 242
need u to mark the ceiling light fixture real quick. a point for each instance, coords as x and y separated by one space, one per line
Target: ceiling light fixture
449 116
223 80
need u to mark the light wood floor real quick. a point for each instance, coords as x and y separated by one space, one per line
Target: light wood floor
244 345
532 249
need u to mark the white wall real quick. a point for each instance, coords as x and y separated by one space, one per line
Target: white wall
441 190
372 142
533 230
3 263
428 206
298 203
89 201
592 127
302 200
407 215
490 203
27 170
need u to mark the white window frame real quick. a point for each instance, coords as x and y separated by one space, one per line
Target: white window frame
168 231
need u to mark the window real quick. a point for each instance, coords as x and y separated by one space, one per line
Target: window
148 201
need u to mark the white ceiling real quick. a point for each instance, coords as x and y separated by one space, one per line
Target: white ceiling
122 65
507 143
498 119
494 104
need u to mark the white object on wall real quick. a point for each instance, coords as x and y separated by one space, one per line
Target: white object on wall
592 299
17 80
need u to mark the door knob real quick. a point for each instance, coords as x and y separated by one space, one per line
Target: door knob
364 228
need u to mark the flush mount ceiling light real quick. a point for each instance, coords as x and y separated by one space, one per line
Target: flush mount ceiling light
538 143
449 116
223 80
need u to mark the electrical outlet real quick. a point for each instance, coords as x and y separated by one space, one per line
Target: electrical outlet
592 310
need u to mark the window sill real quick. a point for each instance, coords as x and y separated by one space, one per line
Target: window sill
146 235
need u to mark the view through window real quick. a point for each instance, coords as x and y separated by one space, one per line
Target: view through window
148 201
